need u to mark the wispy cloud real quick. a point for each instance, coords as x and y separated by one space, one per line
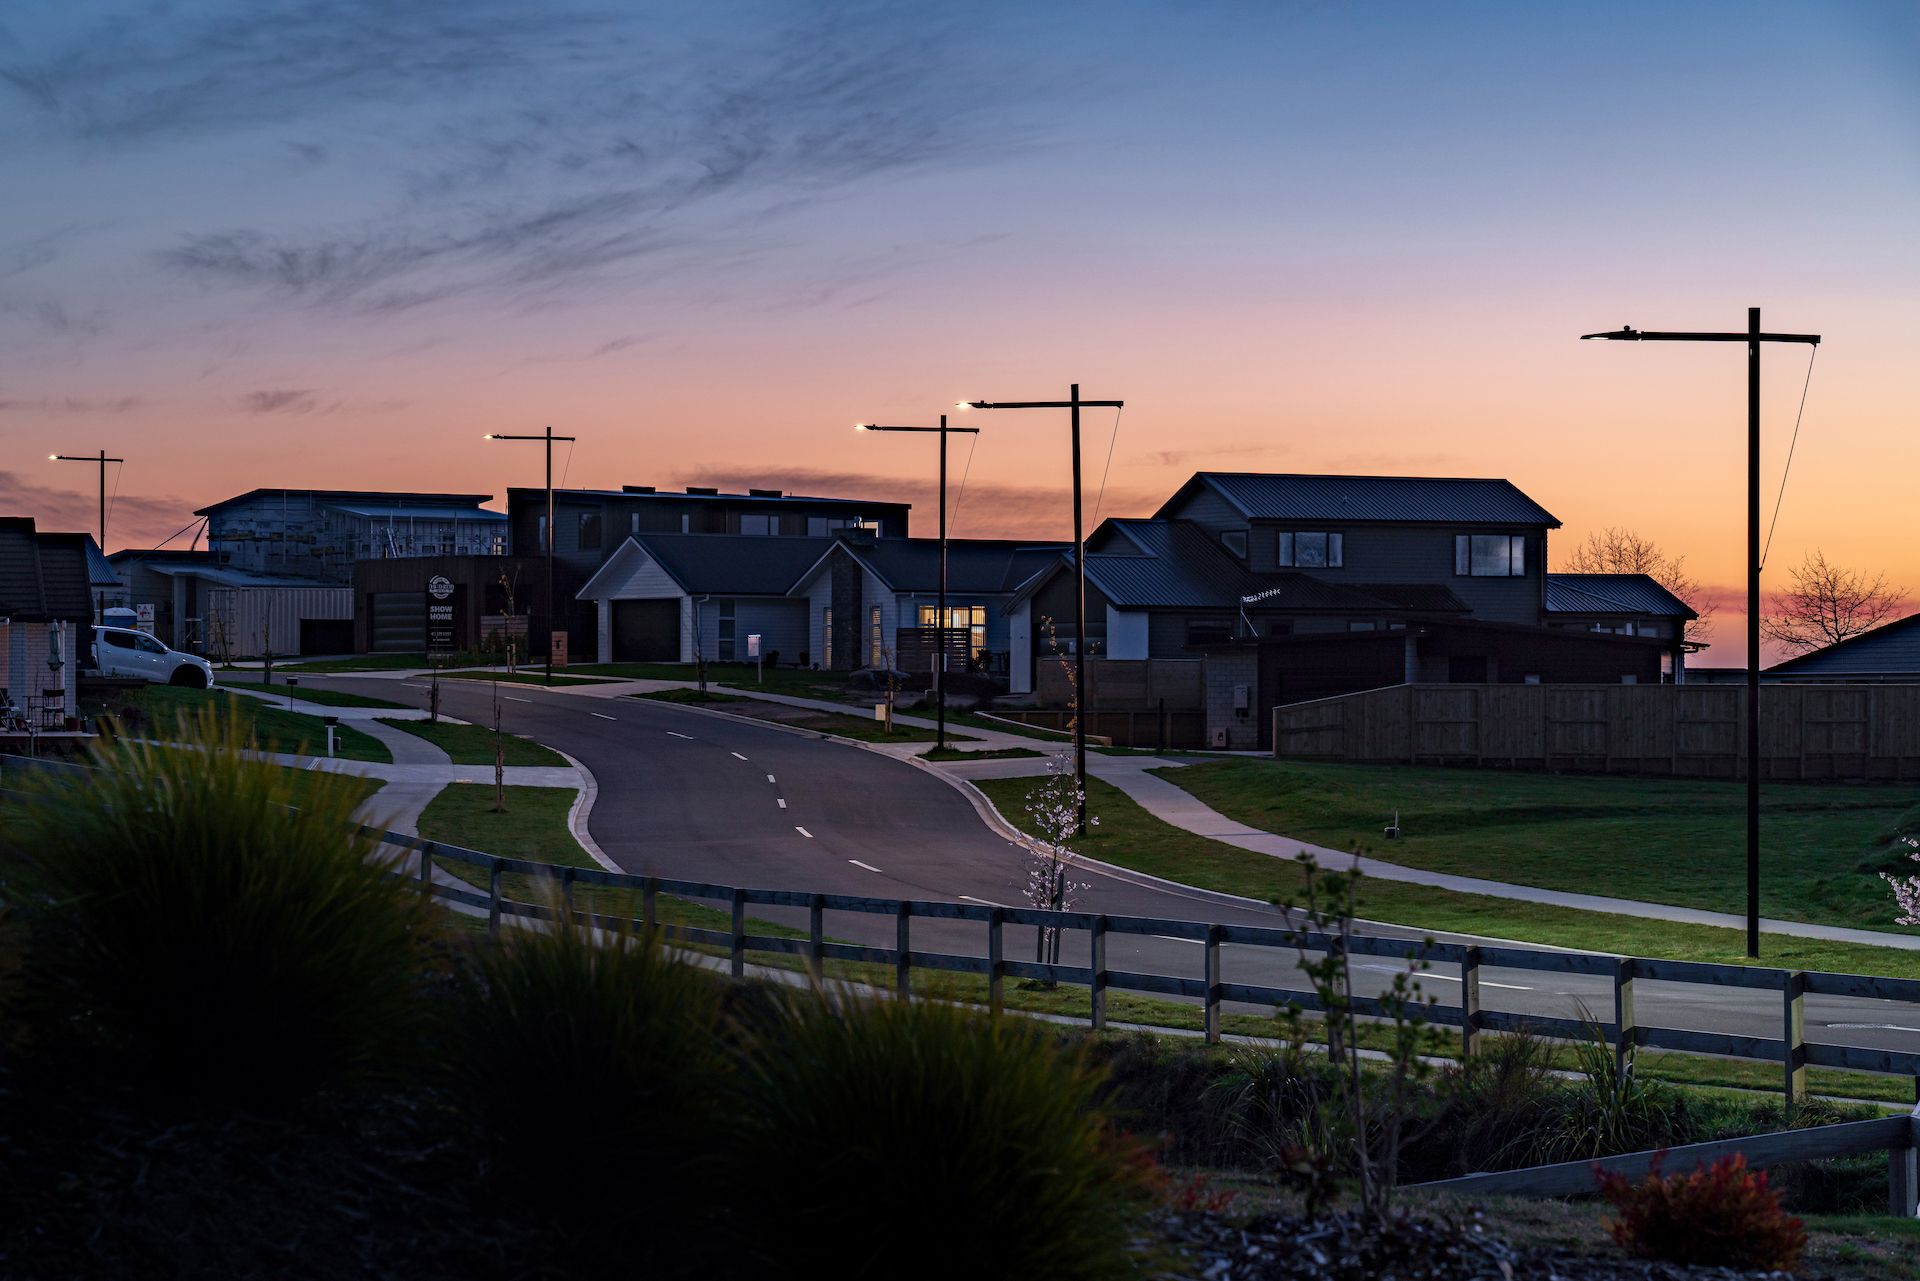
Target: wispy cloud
72 405
297 401
133 520
987 510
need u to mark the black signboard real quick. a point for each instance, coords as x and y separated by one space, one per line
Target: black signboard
439 615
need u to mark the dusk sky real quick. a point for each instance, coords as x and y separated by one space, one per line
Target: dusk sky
330 243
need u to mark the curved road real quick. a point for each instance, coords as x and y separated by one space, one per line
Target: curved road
700 797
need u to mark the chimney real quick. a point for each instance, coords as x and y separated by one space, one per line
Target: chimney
636 489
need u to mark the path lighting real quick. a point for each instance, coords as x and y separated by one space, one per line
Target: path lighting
1075 404
940 672
1753 338
549 438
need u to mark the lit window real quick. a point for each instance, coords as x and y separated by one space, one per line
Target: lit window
1490 555
826 635
726 631
1305 550
877 656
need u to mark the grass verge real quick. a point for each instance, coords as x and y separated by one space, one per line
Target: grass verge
473 744
518 678
310 694
1678 841
692 696
995 754
268 728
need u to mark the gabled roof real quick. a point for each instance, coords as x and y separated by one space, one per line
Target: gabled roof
1889 649
43 576
100 571
334 496
1272 496
975 566
715 564
1174 564
1612 594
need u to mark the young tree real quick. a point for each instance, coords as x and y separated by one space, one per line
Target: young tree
1622 551
1827 604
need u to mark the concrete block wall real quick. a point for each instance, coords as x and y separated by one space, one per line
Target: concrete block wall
1225 670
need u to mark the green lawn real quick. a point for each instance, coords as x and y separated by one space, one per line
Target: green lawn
1659 840
534 826
693 696
273 729
310 693
1131 837
473 744
998 753
521 677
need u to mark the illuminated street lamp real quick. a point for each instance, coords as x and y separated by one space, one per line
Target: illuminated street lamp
940 672
1753 338
1075 404
549 437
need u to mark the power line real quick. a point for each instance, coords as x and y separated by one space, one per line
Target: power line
953 519
1790 447
1109 467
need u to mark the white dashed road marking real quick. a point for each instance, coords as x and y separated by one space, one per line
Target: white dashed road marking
738 757
679 735
511 699
783 802
989 902
870 867
804 832
769 778
603 716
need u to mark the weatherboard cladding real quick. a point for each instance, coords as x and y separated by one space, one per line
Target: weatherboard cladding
1260 496
20 594
1886 650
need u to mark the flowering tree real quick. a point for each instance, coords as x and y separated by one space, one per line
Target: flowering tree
1906 893
1055 808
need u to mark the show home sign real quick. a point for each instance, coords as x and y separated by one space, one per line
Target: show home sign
439 614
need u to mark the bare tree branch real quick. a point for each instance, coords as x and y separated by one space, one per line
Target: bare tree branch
1827 604
1622 551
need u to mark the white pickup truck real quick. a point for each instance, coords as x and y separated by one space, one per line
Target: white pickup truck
118 651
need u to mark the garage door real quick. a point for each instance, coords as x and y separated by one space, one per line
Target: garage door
646 631
399 623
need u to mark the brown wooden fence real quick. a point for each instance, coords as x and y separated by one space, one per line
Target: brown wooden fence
1124 684
1806 731
1160 731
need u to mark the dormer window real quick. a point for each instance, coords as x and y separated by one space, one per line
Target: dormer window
1302 550
1235 541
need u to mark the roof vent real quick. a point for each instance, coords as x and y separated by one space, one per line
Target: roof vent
764 493
701 489
636 489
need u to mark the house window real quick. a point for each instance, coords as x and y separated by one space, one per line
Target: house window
541 537
686 522
759 524
636 523
826 635
1357 625
726 631
1305 550
1235 541
876 644
589 530
1490 555
971 617
1208 631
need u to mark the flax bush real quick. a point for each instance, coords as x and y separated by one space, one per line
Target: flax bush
887 1138
220 917
595 1058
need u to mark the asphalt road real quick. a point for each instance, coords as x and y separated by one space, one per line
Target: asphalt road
698 797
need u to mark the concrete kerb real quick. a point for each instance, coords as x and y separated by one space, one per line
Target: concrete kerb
582 810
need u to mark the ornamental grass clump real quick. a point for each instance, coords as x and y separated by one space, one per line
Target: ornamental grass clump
891 1138
595 1058
1725 1216
220 917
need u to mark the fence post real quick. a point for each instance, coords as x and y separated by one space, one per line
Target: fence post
817 937
739 933
1794 1036
1469 1002
902 957
566 898
1903 1187
997 963
649 903
426 872
1099 973
1213 983
493 901
1624 1036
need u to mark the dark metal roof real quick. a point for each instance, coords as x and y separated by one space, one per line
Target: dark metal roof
332 496
43 576
1888 649
100 570
64 577
978 566
526 494
1612 594
733 564
1270 496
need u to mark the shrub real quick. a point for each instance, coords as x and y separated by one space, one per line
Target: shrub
243 945
887 1138
1613 1111
1725 1216
595 1058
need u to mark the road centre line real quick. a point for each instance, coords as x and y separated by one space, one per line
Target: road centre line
603 716
783 802
870 867
770 778
804 832
511 699
989 902
679 735
738 757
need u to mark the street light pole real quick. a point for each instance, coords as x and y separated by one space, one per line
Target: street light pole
1753 337
1075 404
102 460
549 438
940 617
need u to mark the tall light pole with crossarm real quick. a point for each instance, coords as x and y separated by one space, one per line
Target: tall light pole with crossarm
549 438
102 460
1753 337
1075 404
940 672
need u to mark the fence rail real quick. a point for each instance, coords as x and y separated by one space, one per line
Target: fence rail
1791 1050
